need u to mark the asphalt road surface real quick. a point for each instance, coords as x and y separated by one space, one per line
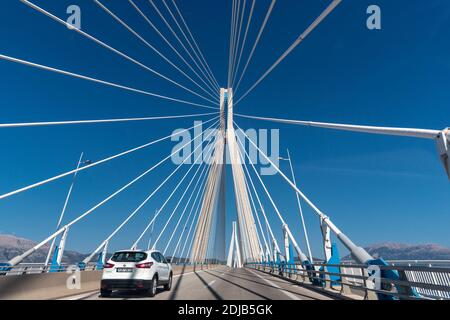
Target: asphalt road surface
221 283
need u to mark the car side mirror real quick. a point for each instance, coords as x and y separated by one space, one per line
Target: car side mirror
169 260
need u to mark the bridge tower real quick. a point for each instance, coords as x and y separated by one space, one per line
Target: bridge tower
213 205
251 247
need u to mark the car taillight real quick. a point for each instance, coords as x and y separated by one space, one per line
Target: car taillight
108 265
146 265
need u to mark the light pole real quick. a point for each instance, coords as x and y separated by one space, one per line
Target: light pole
299 205
80 162
151 231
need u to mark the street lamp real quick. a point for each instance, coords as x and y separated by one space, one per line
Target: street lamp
151 231
59 250
299 205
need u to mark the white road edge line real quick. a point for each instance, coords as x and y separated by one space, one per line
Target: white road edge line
87 294
80 296
289 294
210 284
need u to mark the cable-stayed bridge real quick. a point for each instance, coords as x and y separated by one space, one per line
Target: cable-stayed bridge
194 232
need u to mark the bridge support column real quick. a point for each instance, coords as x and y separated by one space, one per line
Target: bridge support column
326 237
102 257
443 146
234 253
287 253
59 251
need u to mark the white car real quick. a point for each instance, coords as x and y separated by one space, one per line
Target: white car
137 270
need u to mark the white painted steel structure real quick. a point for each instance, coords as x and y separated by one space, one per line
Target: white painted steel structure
199 237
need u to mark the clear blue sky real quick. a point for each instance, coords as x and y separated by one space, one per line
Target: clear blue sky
375 188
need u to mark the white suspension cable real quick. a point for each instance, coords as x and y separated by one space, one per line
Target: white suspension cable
316 22
198 210
209 201
236 49
20 258
181 198
103 44
185 209
235 36
359 253
258 38
259 177
174 190
284 224
63 211
130 216
181 43
263 211
249 21
194 204
300 209
258 220
142 14
211 76
195 42
441 137
233 8
71 122
408 132
111 84
254 207
40 183
115 17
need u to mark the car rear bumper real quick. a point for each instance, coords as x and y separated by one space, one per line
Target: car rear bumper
125 284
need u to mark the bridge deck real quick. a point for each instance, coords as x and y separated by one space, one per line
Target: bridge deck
222 284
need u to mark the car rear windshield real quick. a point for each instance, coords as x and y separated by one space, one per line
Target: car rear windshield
129 256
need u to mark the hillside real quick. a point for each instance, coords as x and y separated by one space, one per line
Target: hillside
11 246
400 251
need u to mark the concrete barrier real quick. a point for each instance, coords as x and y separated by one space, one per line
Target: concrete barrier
48 286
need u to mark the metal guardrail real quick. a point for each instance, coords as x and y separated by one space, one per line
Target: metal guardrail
36 268
414 282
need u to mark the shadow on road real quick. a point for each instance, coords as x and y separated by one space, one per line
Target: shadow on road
253 280
237 285
213 292
130 294
173 294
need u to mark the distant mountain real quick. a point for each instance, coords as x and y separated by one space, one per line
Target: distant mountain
11 246
400 251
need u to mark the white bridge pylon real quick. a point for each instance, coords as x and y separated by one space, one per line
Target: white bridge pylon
213 208
234 252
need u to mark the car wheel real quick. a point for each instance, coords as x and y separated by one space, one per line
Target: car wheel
168 286
153 286
105 293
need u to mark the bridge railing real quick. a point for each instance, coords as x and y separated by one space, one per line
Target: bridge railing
362 281
35 268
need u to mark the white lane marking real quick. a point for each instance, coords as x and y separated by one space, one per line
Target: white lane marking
289 294
81 296
210 284
179 275
90 293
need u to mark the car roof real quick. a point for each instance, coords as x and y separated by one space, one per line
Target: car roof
137 250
